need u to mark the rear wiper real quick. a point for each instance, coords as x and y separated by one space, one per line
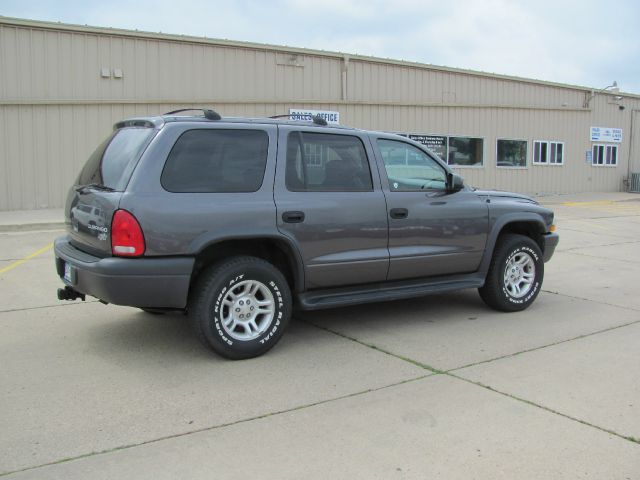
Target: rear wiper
94 186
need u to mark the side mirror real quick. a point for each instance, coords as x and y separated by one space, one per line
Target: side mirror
455 183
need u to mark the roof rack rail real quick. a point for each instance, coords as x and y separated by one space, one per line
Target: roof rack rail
318 120
208 113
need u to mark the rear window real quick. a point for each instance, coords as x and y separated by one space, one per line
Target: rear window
112 163
217 161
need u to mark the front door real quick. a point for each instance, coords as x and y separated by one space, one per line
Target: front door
431 231
329 200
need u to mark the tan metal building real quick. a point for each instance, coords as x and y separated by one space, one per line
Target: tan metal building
63 86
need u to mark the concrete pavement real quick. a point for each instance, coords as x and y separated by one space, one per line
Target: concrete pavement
438 387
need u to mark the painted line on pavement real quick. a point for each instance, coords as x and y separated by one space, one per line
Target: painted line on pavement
26 259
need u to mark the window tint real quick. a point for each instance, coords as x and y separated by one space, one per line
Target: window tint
548 153
217 161
539 152
465 151
323 162
409 168
112 163
605 155
512 153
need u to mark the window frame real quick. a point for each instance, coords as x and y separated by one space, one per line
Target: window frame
604 146
526 157
547 161
484 146
556 143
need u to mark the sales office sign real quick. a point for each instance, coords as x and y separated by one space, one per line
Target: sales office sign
606 134
332 118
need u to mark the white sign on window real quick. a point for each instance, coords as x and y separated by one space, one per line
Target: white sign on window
332 118
606 134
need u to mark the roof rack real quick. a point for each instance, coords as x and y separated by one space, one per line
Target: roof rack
318 120
208 113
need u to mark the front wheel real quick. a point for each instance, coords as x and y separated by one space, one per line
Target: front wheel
515 274
240 308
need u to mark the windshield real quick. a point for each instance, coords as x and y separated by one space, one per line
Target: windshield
112 163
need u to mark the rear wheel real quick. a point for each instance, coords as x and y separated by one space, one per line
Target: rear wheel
240 307
515 274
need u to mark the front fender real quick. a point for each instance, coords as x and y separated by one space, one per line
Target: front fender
498 226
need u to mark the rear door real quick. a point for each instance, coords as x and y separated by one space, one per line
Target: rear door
329 200
96 193
431 231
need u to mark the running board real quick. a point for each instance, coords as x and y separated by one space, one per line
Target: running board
382 292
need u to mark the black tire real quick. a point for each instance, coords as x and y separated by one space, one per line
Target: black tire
496 292
207 309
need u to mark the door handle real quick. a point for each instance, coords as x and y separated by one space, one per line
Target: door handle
399 213
293 217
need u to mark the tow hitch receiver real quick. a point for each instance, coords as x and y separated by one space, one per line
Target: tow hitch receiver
68 293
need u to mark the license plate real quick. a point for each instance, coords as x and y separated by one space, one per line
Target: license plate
68 273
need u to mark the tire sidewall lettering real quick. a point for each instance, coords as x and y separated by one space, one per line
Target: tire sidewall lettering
273 328
536 286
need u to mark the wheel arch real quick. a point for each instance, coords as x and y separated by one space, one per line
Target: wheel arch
529 225
277 250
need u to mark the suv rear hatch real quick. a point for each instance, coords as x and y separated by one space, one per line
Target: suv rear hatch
95 195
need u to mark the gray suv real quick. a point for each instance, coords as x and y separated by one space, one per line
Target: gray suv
237 221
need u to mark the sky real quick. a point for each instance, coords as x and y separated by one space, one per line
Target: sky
589 43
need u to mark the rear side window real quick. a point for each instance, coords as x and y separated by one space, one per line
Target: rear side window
323 162
112 163
216 161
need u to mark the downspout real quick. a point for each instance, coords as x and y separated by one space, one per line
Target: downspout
345 67
633 113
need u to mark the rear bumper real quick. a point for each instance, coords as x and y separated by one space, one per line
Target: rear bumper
135 282
550 242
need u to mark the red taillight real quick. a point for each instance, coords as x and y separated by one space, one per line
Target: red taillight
127 239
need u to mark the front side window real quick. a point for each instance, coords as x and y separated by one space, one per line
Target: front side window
465 151
324 162
511 153
409 168
216 161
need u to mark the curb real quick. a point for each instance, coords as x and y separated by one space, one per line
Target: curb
31 227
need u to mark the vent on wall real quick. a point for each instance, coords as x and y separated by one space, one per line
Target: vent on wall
106 72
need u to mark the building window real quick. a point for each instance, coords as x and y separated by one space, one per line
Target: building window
548 153
313 153
511 153
465 151
436 143
605 155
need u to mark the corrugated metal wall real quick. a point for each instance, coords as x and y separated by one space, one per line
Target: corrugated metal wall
55 106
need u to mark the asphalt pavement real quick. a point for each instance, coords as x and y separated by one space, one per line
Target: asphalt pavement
435 387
